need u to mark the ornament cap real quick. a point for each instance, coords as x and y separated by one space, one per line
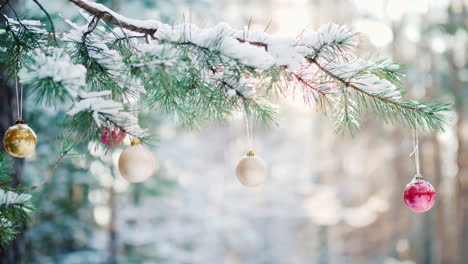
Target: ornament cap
418 177
250 153
19 121
135 142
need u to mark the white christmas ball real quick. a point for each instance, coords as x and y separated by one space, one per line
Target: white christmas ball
136 163
251 171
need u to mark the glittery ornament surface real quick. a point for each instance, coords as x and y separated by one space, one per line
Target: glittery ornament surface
419 196
19 140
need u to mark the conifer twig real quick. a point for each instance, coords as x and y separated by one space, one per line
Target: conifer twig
348 84
50 20
51 174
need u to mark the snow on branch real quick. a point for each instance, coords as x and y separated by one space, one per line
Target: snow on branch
329 50
256 49
32 26
106 64
15 208
356 73
106 110
243 87
198 73
53 74
10 198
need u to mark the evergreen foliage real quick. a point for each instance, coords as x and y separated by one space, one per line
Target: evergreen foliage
14 204
108 68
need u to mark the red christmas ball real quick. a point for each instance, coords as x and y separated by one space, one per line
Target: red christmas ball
112 137
419 196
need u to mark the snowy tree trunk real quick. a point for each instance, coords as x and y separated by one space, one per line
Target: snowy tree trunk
112 226
428 254
461 194
13 252
440 229
324 247
399 220
440 237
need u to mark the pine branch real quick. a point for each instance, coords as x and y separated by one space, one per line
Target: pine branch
15 205
5 168
411 114
19 38
51 174
301 80
102 12
50 21
186 81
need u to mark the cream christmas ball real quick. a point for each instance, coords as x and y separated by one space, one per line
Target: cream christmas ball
137 163
251 170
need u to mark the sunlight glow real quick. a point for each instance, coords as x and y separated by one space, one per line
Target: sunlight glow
398 8
102 215
378 34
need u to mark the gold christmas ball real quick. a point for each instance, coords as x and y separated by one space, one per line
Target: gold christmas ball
137 163
251 170
19 140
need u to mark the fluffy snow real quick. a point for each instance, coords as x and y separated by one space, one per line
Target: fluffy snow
311 41
103 109
9 197
357 73
257 49
243 86
109 59
347 70
58 67
374 85
34 26
157 54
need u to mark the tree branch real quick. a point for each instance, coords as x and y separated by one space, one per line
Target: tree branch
150 27
347 84
50 20
112 17
51 174
300 79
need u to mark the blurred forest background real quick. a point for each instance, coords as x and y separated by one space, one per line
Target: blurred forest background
329 198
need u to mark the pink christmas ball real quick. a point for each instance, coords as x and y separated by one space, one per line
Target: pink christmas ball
419 196
112 137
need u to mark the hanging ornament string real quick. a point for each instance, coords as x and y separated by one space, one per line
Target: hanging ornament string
251 170
416 152
19 108
19 99
249 129
419 195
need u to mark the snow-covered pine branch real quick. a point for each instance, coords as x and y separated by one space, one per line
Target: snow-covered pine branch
56 78
106 67
14 210
53 75
200 74
256 49
107 111
13 199
331 46
16 39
